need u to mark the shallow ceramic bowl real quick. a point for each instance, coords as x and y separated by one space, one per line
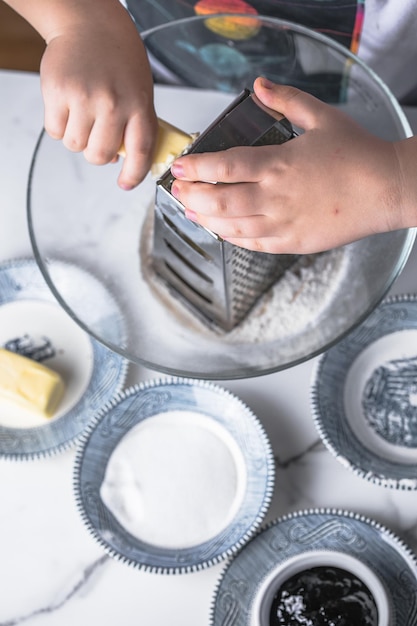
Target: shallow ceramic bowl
33 325
317 537
165 522
364 396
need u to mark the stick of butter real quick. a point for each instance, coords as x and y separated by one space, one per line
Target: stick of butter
170 143
29 383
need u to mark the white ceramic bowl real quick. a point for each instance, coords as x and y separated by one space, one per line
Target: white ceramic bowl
261 606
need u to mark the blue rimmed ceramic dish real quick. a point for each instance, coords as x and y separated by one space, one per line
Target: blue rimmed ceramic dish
34 325
318 537
364 396
174 475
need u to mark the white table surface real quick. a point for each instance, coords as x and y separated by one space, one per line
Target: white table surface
52 572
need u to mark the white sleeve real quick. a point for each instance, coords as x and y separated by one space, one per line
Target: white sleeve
389 43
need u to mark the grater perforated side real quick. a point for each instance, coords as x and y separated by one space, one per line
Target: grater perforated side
218 280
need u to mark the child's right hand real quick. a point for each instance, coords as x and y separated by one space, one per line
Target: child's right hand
97 91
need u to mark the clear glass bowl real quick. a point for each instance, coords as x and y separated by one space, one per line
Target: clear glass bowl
77 214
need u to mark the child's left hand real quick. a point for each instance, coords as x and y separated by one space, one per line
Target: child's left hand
333 184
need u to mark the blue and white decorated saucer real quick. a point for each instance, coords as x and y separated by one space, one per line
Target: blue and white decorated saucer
314 538
364 396
174 475
34 325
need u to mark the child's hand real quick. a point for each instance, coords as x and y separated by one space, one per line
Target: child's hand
97 90
333 184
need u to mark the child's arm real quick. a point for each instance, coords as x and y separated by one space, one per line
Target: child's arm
96 81
333 184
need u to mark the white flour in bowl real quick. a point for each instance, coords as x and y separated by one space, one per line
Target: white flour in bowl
295 301
175 480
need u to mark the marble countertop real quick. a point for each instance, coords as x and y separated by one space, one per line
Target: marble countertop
51 570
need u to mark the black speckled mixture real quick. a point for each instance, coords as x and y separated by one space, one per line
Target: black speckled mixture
323 596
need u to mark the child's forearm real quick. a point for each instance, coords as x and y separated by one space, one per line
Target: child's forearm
53 17
96 81
407 180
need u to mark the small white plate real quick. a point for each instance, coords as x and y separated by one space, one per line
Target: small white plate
34 325
364 396
312 538
170 502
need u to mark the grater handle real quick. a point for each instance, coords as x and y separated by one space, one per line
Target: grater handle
245 122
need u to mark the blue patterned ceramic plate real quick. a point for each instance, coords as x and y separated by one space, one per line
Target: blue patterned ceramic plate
388 567
364 396
33 324
173 476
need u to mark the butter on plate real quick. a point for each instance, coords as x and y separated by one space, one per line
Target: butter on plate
171 143
30 384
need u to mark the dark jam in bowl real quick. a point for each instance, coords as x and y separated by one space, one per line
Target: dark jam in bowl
323 596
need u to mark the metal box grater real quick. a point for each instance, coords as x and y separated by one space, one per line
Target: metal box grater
218 280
